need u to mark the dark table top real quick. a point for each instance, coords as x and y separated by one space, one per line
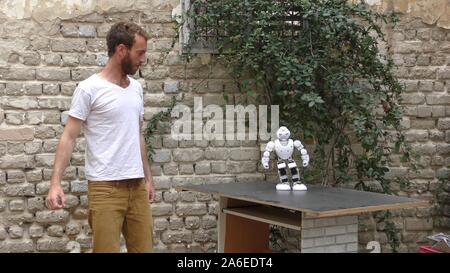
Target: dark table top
317 201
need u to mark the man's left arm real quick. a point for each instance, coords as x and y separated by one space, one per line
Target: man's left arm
146 165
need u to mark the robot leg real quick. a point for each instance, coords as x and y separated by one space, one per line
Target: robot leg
294 171
296 184
282 174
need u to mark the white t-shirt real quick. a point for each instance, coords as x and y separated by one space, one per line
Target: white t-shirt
111 116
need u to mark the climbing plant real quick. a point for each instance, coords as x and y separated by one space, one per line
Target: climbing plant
154 125
322 62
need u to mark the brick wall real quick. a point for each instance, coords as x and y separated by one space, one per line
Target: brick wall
329 235
319 235
422 54
41 61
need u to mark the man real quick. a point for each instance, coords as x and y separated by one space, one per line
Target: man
109 106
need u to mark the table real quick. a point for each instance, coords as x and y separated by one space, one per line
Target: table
325 216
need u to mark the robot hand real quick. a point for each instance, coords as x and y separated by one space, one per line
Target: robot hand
303 152
265 160
265 164
266 156
305 158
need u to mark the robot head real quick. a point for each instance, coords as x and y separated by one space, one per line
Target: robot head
283 133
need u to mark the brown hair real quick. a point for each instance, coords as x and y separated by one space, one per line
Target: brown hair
123 33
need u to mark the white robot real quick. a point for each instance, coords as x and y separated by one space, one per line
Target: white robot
284 148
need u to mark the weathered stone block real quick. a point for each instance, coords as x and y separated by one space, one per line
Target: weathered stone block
414 224
186 168
72 45
52 216
170 237
192 222
87 31
36 231
55 231
36 204
217 153
162 209
25 189
17 246
162 183
190 209
17 74
73 228
208 221
160 224
79 186
170 169
170 196
185 155
15 176
202 168
176 223
52 244
161 156
17 205
53 74
241 167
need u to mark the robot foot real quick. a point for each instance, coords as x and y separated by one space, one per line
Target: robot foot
299 187
283 186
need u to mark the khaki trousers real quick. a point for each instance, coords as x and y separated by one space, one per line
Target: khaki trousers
117 207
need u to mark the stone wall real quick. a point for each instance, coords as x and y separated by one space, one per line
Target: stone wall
47 47
420 46
45 50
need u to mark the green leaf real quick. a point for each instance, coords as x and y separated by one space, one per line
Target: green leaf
225 97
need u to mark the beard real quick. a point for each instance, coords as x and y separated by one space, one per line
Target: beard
127 66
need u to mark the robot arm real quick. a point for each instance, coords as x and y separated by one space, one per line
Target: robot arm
303 152
266 156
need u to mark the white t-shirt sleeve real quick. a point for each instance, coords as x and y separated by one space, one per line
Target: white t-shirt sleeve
81 104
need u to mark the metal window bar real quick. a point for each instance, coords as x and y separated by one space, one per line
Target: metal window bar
204 40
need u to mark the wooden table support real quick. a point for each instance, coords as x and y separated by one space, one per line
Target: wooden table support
246 210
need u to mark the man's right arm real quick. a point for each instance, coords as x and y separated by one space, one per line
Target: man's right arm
55 198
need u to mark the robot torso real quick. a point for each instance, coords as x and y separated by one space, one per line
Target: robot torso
284 151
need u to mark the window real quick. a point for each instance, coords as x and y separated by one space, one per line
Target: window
196 40
203 39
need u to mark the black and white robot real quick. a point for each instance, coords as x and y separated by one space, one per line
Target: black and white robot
284 148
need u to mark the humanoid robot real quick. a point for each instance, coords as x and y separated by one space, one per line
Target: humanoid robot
284 148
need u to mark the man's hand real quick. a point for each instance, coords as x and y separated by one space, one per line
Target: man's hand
55 198
150 190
